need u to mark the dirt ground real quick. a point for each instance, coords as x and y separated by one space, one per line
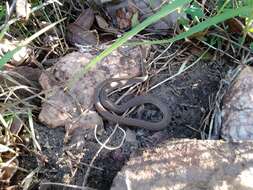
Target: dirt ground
188 97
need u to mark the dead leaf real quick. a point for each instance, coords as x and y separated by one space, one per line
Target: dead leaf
85 19
16 126
103 24
13 187
79 32
235 26
124 17
23 9
4 148
7 170
28 179
78 36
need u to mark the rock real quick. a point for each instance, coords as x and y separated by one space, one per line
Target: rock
190 165
237 111
77 128
57 110
61 107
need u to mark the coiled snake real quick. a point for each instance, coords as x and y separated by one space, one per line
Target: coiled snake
104 106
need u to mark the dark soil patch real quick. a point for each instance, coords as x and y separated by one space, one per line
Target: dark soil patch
189 96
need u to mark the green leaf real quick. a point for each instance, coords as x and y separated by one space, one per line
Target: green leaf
251 46
250 30
183 21
195 11
249 3
224 4
213 40
30 120
3 121
135 20
2 33
166 9
2 12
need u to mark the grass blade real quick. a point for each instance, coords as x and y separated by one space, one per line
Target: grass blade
30 120
27 181
2 120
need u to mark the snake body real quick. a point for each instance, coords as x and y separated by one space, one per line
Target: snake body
104 106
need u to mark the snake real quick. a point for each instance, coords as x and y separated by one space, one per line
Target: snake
105 107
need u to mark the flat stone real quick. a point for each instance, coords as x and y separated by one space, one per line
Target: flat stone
190 165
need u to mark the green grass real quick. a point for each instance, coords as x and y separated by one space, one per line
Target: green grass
2 12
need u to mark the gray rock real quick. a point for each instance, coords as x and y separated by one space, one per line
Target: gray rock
190 165
237 111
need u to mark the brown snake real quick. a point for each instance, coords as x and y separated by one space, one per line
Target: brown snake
104 105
